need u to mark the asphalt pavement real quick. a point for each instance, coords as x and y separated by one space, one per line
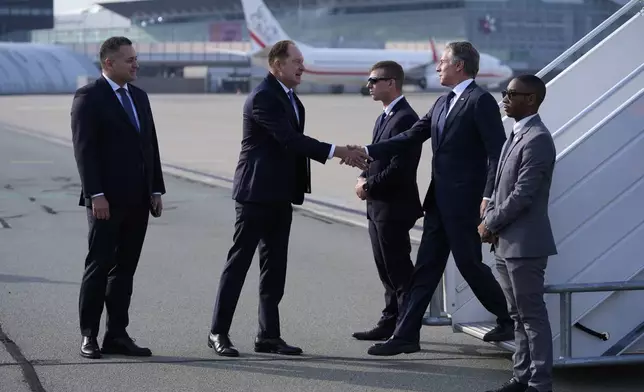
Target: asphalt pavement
332 290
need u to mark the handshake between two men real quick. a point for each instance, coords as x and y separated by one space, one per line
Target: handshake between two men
353 155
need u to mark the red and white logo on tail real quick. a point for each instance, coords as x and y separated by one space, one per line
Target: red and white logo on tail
263 28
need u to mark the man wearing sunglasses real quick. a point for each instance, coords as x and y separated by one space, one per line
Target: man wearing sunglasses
390 189
467 135
516 222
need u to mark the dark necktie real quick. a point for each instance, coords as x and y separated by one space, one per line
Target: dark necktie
127 105
294 104
378 126
443 114
508 144
381 121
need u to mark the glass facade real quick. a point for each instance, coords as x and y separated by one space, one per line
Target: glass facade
528 34
17 18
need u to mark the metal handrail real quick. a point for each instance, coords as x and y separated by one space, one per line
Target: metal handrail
601 99
594 287
565 304
599 125
592 34
584 40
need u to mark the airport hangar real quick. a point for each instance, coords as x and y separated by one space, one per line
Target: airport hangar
178 38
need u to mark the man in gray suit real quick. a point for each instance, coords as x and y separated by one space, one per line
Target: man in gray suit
517 225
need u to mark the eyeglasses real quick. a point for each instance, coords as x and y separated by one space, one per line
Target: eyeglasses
376 80
512 94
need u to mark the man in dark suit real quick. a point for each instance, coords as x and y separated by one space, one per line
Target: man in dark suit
273 173
390 189
516 222
117 154
467 134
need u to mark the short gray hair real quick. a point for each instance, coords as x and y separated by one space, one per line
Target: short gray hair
467 53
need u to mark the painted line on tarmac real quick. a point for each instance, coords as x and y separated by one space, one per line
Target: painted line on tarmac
28 370
318 207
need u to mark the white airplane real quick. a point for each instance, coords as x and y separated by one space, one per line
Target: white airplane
348 66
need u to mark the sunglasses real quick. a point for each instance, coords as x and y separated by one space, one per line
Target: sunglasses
512 94
376 80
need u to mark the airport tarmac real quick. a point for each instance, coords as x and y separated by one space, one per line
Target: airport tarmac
199 136
332 290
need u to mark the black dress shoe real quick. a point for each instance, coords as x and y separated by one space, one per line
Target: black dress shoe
89 348
275 346
377 333
394 346
222 345
124 346
500 333
511 386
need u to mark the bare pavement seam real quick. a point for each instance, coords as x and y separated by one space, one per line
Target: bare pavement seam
28 370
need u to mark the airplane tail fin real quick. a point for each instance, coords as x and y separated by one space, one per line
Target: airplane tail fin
432 45
262 26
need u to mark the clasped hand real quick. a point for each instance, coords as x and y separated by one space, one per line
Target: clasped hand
354 156
486 235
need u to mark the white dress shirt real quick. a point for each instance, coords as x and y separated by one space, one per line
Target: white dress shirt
297 114
387 111
519 125
127 91
393 103
458 91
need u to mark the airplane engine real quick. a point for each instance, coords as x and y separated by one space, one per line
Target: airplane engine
430 80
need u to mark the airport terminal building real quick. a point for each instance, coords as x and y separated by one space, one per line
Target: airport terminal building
172 34
523 33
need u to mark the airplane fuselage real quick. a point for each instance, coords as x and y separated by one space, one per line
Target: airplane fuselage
350 66
341 67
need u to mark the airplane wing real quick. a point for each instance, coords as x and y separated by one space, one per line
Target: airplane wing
233 52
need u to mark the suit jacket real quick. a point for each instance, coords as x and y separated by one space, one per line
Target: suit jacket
274 161
112 156
518 212
391 182
464 160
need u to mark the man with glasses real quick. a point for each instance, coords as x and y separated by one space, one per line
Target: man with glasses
390 190
467 135
517 225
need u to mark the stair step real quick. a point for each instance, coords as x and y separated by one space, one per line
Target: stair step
478 330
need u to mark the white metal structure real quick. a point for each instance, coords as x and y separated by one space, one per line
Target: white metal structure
596 311
27 68
349 66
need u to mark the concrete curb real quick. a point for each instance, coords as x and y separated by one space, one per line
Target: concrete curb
320 209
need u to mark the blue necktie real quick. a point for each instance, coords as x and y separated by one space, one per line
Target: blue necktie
292 99
127 105
443 115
